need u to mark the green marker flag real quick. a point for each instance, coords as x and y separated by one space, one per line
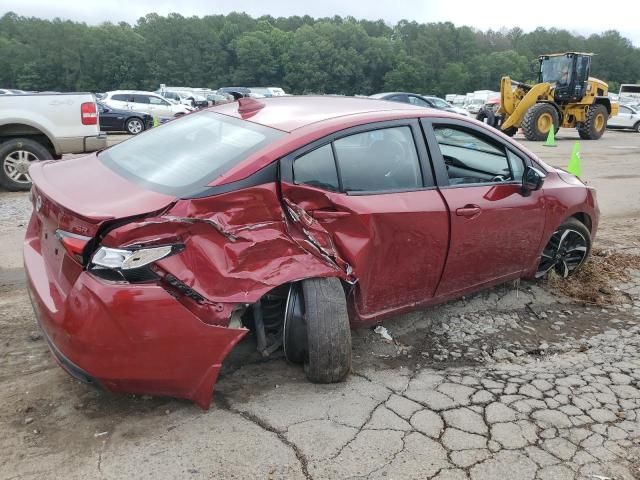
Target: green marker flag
575 164
551 138
156 122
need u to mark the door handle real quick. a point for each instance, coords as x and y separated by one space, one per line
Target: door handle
328 214
469 211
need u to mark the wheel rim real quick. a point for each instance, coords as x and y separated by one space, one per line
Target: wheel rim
134 126
544 122
16 165
295 328
599 122
565 252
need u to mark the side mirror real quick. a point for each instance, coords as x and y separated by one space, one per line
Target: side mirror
532 180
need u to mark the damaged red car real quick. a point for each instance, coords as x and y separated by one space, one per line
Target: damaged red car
297 218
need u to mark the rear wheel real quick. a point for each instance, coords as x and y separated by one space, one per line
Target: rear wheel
316 329
567 249
636 127
595 124
538 120
134 126
16 156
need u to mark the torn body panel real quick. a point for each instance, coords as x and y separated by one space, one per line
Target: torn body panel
401 237
232 256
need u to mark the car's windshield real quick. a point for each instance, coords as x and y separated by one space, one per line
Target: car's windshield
556 70
183 156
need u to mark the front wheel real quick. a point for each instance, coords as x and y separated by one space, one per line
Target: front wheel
567 249
16 156
316 330
539 119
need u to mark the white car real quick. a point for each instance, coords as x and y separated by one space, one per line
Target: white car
146 102
444 105
628 118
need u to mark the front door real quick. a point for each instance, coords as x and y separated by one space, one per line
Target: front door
370 191
495 229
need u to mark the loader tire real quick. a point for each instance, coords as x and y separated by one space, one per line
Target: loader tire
486 116
538 120
328 330
596 123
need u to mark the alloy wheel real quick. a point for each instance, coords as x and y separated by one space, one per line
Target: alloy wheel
134 126
16 165
564 253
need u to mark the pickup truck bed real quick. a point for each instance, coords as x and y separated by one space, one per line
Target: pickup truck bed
44 126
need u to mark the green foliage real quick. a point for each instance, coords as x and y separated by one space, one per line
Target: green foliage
301 54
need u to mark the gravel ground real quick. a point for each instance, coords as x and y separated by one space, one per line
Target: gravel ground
517 382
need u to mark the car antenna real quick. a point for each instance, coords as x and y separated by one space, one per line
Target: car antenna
248 106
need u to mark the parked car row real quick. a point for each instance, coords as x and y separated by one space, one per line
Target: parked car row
420 101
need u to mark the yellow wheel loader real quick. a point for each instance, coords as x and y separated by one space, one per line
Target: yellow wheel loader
566 96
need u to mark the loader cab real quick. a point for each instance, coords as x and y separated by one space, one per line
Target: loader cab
569 72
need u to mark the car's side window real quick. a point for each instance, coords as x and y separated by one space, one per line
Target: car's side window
379 160
418 101
624 109
471 157
156 100
317 168
120 98
517 166
140 99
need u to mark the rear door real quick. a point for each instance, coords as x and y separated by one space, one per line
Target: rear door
140 103
495 229
369 192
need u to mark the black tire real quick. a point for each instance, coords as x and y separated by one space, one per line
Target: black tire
570 256
488 115
328 331
511 131
135 125
14 164
636 127
532 119
595 124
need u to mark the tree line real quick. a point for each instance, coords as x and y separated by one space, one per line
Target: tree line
301 54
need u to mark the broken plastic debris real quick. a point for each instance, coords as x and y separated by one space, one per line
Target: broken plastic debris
96 435
383 332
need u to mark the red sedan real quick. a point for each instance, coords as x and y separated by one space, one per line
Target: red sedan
295 217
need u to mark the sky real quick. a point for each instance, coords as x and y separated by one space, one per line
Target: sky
577 17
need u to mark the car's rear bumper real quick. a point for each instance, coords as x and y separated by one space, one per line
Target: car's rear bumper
125 337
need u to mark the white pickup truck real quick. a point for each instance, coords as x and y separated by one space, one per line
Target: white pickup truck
44 126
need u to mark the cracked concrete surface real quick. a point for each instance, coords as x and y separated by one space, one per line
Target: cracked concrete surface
513 383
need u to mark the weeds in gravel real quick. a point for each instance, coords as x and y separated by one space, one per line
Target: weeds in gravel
597 280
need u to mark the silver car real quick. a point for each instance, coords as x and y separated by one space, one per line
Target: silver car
628 118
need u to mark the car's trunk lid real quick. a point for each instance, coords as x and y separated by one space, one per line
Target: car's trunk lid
80 194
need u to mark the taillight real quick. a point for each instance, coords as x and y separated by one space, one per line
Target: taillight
73 243
89 113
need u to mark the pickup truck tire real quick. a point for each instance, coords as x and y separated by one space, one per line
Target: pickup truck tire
328 330
15 157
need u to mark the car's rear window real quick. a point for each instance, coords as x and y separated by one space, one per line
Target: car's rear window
183 156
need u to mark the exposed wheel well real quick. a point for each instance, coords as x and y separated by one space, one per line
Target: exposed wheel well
584 219
18 130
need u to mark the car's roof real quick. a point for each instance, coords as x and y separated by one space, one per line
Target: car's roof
293 112
386 94
144 92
